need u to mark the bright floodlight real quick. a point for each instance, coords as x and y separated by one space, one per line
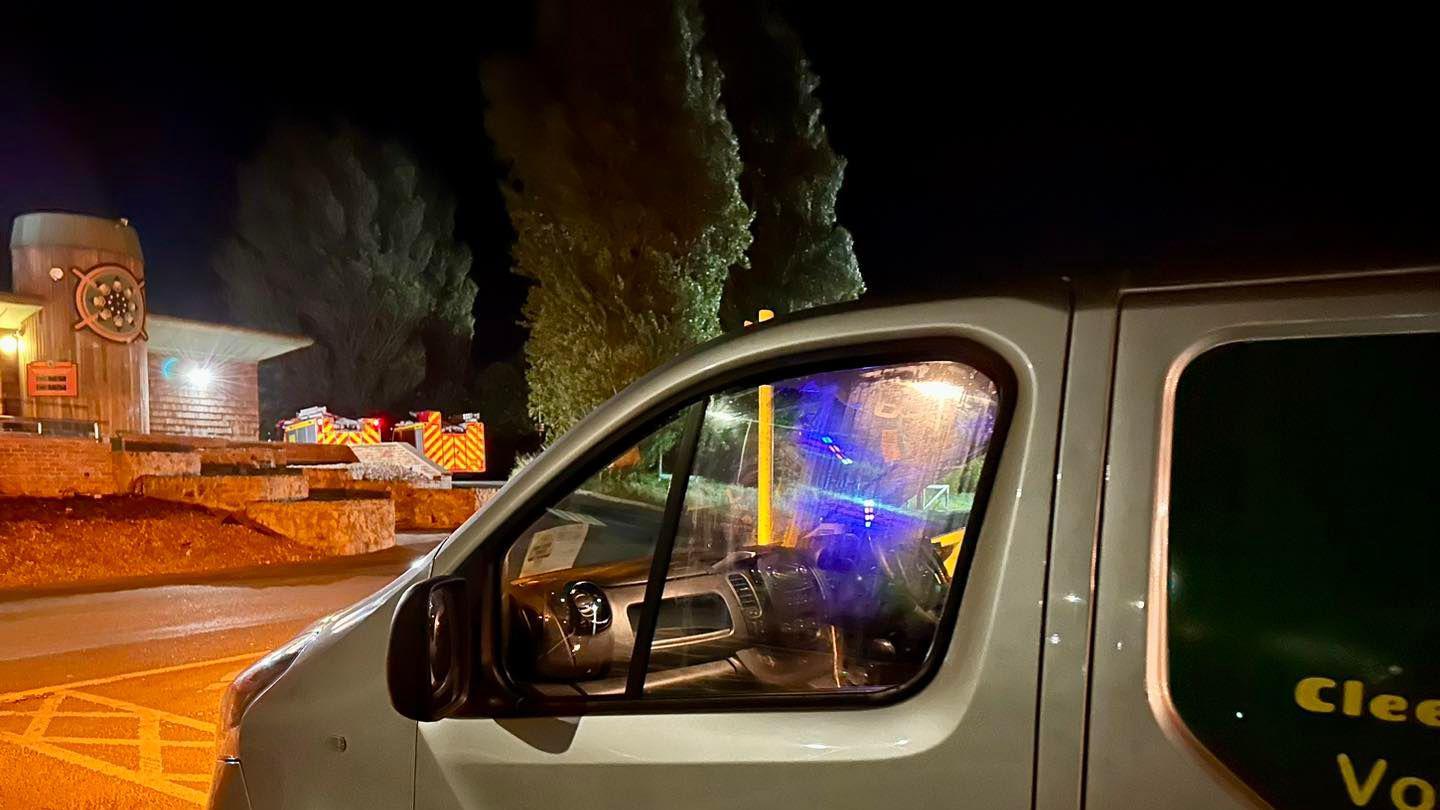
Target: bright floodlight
200 376
9 344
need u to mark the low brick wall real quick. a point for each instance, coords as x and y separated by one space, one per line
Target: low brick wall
434 509
416 508
249 456
131 466
333 525
319 454
224 492
44 467
338 477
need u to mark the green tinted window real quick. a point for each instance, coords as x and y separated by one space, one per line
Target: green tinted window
1304 615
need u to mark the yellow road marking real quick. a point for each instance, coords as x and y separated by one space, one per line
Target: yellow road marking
41 719
143 711
224 681
8 713
150 750
11 697
108 769
149 741
128 741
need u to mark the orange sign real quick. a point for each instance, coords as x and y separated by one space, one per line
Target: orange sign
52 380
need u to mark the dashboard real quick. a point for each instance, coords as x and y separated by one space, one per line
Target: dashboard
774 616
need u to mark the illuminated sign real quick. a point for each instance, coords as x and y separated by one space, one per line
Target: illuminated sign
52 380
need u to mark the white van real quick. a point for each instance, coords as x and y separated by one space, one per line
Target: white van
1101 545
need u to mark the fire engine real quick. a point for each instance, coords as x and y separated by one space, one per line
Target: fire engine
459 448
317 425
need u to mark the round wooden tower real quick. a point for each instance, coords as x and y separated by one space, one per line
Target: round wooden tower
87 345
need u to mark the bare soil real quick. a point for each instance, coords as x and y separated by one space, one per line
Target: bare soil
48 541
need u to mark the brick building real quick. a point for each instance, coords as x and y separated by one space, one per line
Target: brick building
80 352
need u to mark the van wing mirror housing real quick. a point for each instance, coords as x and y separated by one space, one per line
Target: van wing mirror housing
428 664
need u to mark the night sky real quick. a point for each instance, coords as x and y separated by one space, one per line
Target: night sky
972 150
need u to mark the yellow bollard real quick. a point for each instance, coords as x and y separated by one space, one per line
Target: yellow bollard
765 457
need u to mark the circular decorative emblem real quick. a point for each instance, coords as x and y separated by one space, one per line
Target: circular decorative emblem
110 300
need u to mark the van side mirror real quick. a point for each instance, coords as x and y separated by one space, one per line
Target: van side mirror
428 663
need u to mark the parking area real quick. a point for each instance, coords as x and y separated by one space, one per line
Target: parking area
109 698
114 728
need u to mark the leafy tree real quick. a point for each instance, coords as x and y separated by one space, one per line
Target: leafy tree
800 258
341 238
622 189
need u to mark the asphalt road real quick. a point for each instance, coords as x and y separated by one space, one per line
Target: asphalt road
109 695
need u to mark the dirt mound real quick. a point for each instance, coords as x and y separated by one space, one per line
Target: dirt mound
52 542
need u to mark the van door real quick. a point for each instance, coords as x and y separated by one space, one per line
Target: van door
800 568
1267 611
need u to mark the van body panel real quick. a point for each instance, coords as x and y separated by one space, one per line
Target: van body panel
1053 691
1140 753
968 735
337 688
1070 589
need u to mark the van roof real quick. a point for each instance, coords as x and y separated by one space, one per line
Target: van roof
1121 282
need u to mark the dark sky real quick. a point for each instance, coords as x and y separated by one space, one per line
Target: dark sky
972 150
153 127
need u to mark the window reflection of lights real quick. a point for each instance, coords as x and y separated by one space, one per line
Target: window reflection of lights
723 416
939 389
835 450
869 512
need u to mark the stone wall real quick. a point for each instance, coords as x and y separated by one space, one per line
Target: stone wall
419 509
260 456
131 466
224 492
318 454
228 407
355 524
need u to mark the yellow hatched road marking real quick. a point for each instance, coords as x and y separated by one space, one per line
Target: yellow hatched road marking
108 768
149 742
66 714
11 697
144 711
128 741
40 721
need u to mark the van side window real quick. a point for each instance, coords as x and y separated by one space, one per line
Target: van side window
594 544
824 524
1304 539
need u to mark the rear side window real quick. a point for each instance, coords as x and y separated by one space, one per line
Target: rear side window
1304 544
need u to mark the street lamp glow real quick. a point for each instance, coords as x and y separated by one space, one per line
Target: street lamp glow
200 377
9 344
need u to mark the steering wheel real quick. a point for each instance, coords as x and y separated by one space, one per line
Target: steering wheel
919 575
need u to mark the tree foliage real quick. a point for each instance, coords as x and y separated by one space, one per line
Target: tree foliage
342 239
622 189
800 258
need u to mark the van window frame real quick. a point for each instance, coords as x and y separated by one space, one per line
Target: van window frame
494 692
